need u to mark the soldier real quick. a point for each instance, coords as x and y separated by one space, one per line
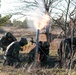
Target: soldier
40 50
31 54
12 52
6 40
67 43
45 51
65 50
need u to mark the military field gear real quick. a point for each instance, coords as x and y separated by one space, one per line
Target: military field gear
46 44
23 41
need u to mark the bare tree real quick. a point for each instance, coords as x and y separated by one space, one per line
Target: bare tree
67 13
60 9
45 8
67 25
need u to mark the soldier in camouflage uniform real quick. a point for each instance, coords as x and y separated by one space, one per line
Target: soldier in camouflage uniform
44 51
6 40
12 52
65 47
67 44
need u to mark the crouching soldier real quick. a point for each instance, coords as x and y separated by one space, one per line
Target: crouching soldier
31 54
11 55
44 51
6 40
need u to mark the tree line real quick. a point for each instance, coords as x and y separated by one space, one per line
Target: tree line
4 21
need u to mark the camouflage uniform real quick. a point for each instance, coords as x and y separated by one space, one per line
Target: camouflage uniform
40 51
6 40
67 44
64 50
12 52
44 52
31 54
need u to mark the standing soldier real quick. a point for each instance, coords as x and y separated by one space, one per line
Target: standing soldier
6 40
11 55
64 50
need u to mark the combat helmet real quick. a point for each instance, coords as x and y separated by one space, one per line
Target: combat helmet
8 34
46 44
23 41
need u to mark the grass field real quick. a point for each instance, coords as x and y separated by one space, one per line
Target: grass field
31 70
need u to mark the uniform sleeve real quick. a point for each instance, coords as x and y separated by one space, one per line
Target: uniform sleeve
16 49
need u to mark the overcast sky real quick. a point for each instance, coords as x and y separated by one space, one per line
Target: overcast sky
15 6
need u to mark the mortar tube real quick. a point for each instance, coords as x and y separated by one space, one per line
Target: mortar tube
36 50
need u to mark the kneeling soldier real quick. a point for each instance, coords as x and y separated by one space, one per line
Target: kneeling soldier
12 52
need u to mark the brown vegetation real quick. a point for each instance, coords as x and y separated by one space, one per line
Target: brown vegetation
22 32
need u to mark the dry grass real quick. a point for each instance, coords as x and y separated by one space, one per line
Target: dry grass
18 32
31 70
39 71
